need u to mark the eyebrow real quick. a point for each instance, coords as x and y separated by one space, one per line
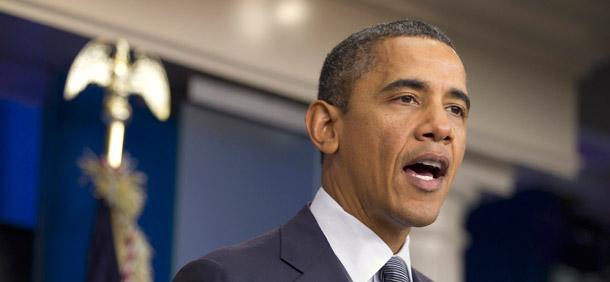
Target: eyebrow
420 85
405 83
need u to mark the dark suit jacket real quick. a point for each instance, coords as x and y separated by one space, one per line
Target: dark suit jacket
296 251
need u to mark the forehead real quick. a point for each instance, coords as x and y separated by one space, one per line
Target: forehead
424 58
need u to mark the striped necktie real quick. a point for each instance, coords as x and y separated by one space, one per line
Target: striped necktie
395 270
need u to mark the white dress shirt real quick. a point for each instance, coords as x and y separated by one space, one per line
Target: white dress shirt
359 249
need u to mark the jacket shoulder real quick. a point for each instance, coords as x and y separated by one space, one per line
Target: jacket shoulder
257 259
202 270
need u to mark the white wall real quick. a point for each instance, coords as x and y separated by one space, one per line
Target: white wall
521 75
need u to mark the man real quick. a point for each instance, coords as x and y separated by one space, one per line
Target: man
391 125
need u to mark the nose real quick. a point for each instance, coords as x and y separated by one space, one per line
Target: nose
435 126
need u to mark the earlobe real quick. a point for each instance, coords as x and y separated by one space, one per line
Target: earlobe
321 121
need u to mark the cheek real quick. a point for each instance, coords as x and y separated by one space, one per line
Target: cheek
459 142
392 139
458 149
460 145
360 142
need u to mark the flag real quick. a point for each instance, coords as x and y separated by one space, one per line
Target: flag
102 261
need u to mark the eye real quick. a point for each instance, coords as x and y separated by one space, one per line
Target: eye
457 110
406 99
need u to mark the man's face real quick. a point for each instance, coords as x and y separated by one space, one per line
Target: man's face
403 137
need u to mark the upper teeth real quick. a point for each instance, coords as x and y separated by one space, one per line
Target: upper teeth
432 163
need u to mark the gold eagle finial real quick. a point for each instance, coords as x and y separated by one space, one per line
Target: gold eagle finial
120 77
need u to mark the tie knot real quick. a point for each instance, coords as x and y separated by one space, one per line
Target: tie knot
395 270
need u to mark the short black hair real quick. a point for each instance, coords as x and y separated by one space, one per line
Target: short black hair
355 56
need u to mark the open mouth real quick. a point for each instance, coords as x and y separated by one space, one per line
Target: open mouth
427 169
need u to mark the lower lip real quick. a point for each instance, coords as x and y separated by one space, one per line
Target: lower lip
431 185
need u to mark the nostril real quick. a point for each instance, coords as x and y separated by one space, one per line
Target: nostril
433 137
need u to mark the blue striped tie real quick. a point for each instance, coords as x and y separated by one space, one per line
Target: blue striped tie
395 270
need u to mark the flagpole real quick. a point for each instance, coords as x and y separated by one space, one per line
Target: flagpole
117 184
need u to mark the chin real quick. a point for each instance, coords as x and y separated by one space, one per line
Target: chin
422 222
422 217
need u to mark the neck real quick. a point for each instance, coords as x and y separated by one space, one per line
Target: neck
392 234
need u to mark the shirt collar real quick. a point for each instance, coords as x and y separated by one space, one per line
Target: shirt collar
359 249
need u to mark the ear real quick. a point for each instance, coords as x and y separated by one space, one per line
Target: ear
321 121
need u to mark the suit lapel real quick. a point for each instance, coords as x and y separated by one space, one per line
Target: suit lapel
304 247
326 268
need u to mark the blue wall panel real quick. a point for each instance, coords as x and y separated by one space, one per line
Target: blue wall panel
20 130
238 179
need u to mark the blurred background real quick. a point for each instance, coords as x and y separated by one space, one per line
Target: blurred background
530 202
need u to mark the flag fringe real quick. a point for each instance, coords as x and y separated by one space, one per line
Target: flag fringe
123 190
